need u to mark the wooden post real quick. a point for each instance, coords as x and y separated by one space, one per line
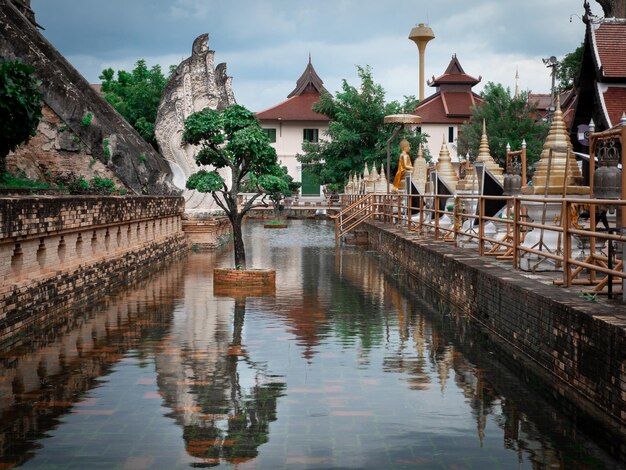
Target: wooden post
436 216
481 226
567 242
516 232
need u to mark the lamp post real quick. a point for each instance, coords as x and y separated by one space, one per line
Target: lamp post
399 120
552 63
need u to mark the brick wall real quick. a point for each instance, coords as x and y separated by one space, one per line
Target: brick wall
57 251
578 348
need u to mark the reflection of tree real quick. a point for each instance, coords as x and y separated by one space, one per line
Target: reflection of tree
232 421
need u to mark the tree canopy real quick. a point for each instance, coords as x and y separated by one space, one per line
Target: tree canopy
20 106
136 95
357 133
569 68
509 120
233 140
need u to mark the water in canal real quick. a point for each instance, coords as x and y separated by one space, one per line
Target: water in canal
343 367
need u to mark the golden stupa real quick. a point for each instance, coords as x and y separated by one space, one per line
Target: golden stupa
484 155
558 141
445 169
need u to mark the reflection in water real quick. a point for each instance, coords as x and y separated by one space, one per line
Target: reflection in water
344 366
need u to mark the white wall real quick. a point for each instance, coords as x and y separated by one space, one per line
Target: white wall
438 133
289 138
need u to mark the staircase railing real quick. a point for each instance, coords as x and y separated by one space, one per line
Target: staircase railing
354 215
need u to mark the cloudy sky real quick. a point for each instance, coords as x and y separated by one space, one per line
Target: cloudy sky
266 43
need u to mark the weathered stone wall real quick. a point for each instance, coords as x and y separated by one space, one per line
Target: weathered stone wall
56 151
109 138
577 347
57 251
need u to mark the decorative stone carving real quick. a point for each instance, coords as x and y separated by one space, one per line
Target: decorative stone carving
195 85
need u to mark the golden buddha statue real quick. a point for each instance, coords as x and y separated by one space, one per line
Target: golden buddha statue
404 165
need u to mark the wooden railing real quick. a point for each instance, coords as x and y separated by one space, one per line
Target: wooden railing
583 254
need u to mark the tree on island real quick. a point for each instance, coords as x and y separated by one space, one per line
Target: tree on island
358 134
136 96
20 106
509 120
278 185
233 140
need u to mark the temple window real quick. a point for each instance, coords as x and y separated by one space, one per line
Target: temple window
310 135
271 134
450 134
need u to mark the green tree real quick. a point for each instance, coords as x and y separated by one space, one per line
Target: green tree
357 133
277 185
233 140
20 106
509 120
136 95
569 68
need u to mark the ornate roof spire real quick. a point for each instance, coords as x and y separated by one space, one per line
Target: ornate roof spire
309 82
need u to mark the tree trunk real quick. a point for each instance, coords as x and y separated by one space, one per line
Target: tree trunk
240 250
613 8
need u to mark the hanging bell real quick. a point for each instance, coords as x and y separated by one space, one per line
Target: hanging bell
607 179
607 183
512 185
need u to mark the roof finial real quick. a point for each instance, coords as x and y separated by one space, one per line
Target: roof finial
309 57
516 82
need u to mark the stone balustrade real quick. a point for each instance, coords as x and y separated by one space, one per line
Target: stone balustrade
55 251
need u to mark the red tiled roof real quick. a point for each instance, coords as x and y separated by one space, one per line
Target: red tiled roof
610 42
296 108
458 103
447 107
615 103
541 101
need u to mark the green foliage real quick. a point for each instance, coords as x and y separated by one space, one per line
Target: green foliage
142 157
278 185
246 150
20 106
136 95
357 131
77 184
569 68
102 185
509 120
86 120
21 181
107 149
233 140
205 181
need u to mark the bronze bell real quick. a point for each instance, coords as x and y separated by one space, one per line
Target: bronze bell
607 179
512 185
607 183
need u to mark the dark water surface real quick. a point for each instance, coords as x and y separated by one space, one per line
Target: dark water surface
344 367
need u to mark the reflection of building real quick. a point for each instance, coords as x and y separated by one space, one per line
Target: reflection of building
444 112
293 122
48 379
